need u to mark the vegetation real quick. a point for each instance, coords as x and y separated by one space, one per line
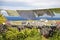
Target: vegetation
56 36
25 34
57 10
2 19
13 33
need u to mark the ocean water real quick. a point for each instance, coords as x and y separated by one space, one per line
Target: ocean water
14 18
56 17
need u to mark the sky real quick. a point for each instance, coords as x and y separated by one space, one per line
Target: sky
29 4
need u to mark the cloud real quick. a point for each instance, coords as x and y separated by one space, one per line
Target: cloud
16 8
30 4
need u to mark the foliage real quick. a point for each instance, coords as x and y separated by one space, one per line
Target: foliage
30 34
1 37
2 19
25 34
13 33
56 35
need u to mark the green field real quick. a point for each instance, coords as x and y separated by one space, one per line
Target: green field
57 10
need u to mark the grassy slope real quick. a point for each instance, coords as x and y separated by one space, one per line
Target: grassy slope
57 10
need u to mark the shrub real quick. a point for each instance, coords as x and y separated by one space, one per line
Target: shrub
1 37
56 35
11 36
11 33
2 19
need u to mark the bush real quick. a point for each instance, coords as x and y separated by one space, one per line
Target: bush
1 37
29 34
26 34
2 19
56 35
11 36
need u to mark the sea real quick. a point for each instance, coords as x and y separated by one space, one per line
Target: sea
17 18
